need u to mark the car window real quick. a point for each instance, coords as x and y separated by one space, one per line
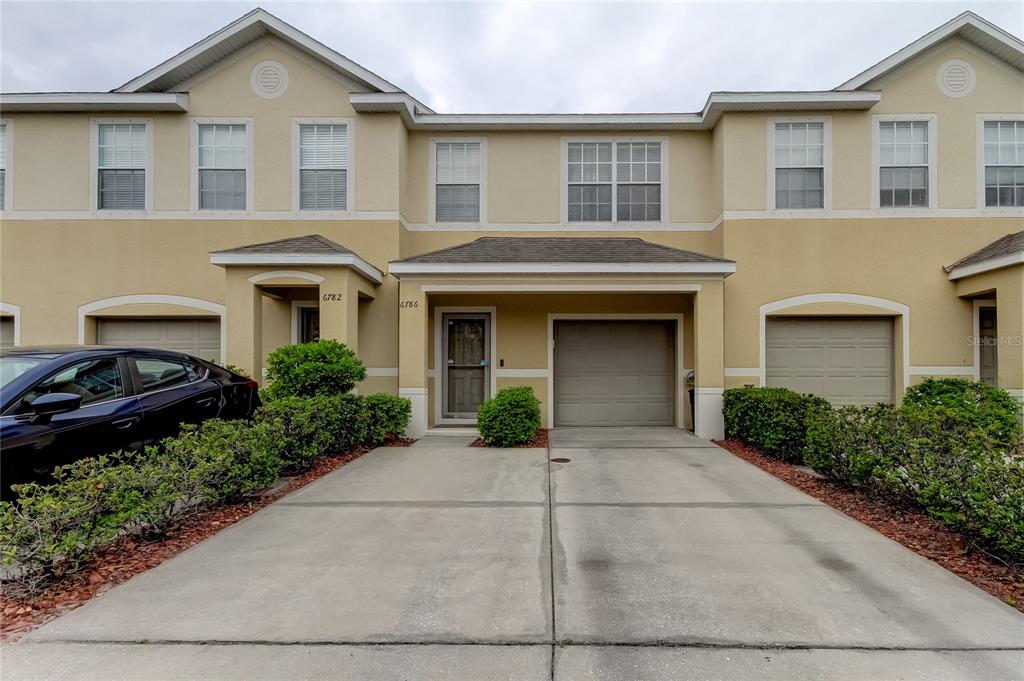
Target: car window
12 367
96 380
158 374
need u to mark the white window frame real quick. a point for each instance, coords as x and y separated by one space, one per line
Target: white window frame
350 175
432 181
980 134
250 198
94 164
9 168
933 161
564 180
826 179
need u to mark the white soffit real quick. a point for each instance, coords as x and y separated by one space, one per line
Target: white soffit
712 268
987 265
269 259
968 26
717 104
235 36
94 101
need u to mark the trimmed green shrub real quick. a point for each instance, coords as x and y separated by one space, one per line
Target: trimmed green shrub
219 461
386 414
323 367
773 419
848 444
992 411
510 418
308 427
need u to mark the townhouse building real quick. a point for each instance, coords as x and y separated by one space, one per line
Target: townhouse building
260 189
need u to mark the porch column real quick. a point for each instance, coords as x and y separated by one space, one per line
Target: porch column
412 353
1010 327
244 324
339 307
709 359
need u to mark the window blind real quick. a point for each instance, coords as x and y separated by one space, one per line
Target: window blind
323 167
799 165
121 175
457 181
1004 163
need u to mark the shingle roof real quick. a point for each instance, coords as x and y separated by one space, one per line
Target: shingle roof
561 250
1004 245
310 244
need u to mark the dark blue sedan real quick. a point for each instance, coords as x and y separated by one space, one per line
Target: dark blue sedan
60 404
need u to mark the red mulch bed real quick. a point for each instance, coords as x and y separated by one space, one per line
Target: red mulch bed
917 532
129 556
539 440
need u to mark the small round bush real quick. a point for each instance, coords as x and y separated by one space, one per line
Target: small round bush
323 367
510 418
992 411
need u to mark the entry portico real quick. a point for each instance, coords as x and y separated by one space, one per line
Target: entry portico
292 290
605 330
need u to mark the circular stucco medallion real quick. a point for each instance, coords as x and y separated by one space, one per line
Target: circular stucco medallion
956 78
269 79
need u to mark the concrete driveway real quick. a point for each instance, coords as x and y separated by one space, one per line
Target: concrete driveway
650 554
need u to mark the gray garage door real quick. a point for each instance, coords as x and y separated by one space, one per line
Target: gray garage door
614 373
847 360
198 337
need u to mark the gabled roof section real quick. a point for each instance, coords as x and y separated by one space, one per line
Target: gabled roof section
561 255
236 35
311 249
1005 251
968 26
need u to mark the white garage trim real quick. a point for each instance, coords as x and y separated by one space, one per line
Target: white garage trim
277 274
90 309
680 373
439 365
14 311
853 298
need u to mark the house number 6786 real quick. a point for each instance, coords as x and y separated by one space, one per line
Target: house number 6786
409 303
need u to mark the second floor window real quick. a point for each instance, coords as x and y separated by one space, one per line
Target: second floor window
903 164
625 189
121 166
1004 163
457 176
323 167
799 165
223 159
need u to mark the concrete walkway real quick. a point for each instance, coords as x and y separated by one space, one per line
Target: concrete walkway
650 554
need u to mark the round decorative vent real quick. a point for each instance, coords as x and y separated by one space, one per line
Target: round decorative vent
269 79
956 78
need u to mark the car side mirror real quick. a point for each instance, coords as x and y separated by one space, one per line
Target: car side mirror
47 406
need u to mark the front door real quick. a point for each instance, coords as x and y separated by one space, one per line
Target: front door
987 351
467 368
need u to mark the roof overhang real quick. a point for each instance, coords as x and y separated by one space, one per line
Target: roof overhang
968 26
299 259
998 262
94 101
416 118
236 35
718 269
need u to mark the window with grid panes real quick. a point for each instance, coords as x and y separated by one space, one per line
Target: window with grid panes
613 181
1004 163
457 174
799 165
121 166
223 159
903 164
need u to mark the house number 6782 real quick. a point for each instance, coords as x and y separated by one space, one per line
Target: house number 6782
332 296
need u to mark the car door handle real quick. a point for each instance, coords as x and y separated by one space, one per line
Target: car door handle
206 401
124 424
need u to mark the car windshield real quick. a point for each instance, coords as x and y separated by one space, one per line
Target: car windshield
12 367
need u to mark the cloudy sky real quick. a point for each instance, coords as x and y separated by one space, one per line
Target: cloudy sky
467 57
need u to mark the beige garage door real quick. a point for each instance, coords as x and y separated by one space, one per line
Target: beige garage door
6 332
614 373
847 360
197 337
